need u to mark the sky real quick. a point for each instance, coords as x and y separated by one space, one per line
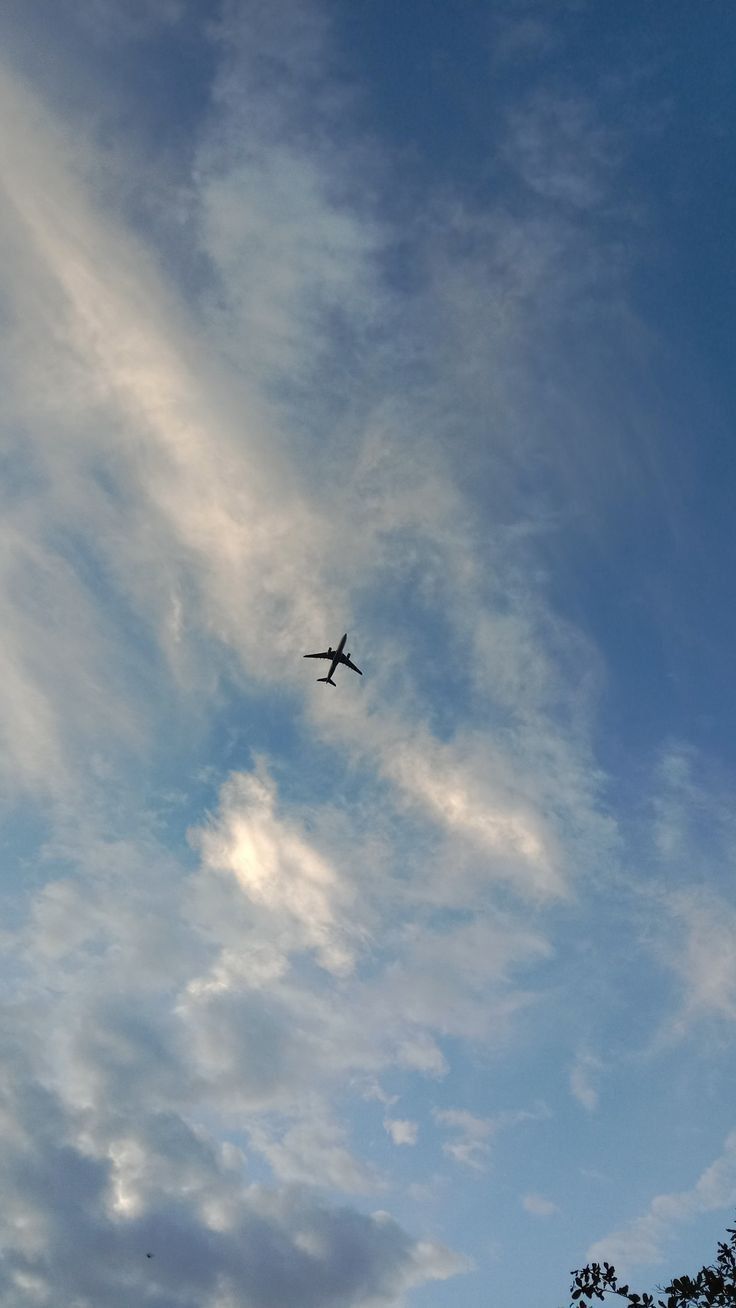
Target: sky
413 321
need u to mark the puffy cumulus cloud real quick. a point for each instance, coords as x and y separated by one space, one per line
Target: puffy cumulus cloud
645 1239
402 1132
116 1123
87 1195
276 892
196 994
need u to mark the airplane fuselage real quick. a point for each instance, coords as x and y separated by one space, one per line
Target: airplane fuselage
336 661
337 658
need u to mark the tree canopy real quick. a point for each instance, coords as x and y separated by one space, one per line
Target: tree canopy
714 1286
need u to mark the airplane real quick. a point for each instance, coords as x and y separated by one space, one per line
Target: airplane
336 656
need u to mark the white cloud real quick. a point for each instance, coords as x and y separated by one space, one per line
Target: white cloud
402 1132
86 1195
280 870
458 799
584 1075
264 1025
688 912
471 1144
694 937
103 1090
645 1239
460 980
538 1205
708 965
311 1149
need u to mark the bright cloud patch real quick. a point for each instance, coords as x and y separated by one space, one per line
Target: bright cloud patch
277 869
538 1206
402 1132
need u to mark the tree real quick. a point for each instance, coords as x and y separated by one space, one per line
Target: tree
713 1287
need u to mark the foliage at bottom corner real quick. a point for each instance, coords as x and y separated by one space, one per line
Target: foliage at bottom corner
714 1286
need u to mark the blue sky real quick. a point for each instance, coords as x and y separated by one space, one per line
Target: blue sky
411 320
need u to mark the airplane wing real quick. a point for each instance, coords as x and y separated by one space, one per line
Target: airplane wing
349 664
328 654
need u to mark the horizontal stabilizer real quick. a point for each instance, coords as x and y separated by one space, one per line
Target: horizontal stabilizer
329 680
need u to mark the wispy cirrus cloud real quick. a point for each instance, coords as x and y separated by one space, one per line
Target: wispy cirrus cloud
470 1144
688 911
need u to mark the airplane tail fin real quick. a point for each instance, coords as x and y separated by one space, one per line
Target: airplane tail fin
329 680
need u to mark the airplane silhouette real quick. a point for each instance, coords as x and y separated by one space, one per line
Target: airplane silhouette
336 657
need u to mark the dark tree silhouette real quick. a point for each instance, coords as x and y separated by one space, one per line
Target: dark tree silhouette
713 1286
